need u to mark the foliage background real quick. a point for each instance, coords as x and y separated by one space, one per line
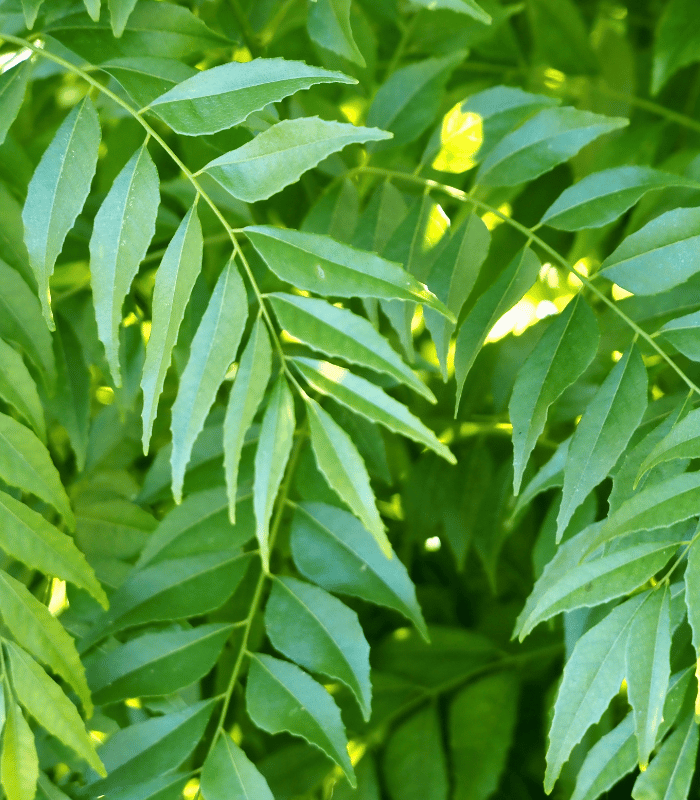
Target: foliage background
285 655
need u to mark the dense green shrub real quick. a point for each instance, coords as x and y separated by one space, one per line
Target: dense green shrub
349 413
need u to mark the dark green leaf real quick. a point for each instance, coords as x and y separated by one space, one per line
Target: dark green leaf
677 41
17 388
13 85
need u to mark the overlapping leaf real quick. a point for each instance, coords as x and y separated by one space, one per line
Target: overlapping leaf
328 23
13 85
17 388
19 763
683 334
228 774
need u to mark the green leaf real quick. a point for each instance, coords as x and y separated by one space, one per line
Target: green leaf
420 733
501 296
17 388
453 277
468 7
368 400
280 155
28 537
46 790
19 763
228 774
123 229
147 77
43 699
199 525
670 773
213 349
342 466
548 477
649 669
682 441
120 11
31 10
692 600
592 677
676 42
482 722
57 192
151 748
317 631
549 138
604 432
164 787
93 8
247 392
112 528
25 463
174 589
38 631
13 85
367 783
659 256
408 102
333 549
280 697
274 447
604 196
319 264
338 332
328 24
559 358
611 758
598 580
174 281
21 322
156 663
221 97
682 333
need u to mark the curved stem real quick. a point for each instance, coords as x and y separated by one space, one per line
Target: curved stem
528 233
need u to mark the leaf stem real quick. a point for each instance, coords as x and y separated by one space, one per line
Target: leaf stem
529 233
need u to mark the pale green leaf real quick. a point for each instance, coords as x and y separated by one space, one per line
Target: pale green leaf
31 10
21 321
328 24
200 524
57 192
247 392
17 388
163 787
333 549
321 265
174 589
19 763
42 697
419 736
223 96
13 85
12 239
320 633
649 669
549 138
39 632
603 433
409 101
469 7
682 441
692 601
122 231
482 721
153 747
228 774
174 281
280 697
501 296
274 447
604 196
280 155
342 466
600 579
368 400
110 528
669 775
677 41
120 11
683 334
146 77
338 332
559 358
28 537
592 677
93 8
659 256
453 277
549 476
155 663
213 348
25 463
